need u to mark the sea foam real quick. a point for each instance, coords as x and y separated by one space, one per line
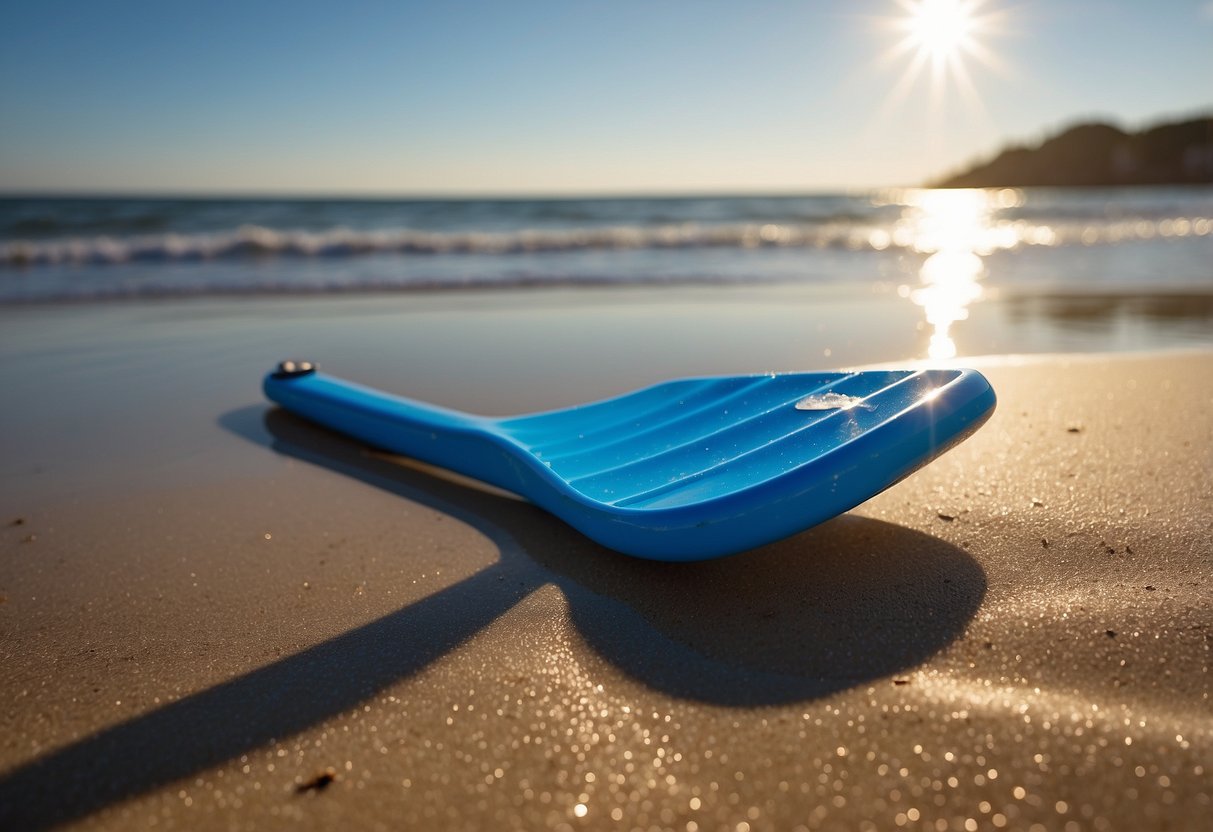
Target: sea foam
254 241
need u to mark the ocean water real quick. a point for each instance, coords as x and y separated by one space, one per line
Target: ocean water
1067 255
82 249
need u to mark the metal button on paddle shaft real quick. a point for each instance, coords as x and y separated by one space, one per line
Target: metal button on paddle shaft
294 369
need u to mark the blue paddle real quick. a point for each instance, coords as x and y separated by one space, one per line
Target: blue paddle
685 470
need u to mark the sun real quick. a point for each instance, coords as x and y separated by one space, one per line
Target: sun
940 36
940 28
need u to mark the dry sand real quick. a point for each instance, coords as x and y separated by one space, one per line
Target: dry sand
216 616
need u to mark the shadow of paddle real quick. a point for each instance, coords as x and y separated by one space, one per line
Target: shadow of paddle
848 602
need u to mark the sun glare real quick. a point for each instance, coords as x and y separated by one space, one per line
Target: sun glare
940 28
943 35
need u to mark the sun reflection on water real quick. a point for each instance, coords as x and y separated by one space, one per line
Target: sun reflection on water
954 228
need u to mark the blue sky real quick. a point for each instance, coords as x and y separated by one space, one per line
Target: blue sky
546 97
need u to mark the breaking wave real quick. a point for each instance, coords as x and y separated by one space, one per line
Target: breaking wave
252 241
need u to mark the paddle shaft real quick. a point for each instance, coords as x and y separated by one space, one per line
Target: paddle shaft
451 439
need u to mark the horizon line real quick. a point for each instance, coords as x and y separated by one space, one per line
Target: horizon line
527 196
427 196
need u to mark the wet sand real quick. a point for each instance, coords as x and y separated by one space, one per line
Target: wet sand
216 616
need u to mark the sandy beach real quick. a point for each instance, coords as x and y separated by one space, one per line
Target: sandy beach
215 616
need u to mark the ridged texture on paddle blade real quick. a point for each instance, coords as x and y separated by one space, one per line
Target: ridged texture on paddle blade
683 443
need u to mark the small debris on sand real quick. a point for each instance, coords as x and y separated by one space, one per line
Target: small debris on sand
1044 541
1149 589
945 516
17 521
1074 429
318 783
1110 633
901 681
